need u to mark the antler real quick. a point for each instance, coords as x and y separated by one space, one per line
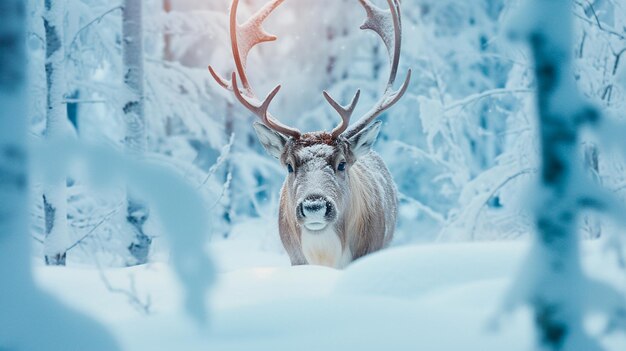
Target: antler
379 21
253 34
345 112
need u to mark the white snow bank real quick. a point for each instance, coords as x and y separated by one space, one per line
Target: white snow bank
267 285
413 270
339 322
435 297
252 243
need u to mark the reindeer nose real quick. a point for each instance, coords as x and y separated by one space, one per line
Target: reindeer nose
315 207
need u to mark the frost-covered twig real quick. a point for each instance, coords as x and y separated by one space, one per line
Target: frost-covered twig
141 305
93 229
421 154
178 68
37 239
35 35
596 20
472 98
427 209
96 19
495 190
225 188
84 101
144 306
225 154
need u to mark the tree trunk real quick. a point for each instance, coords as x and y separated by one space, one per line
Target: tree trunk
557 277
73 109
168 55
55 193
592 224
227 215
136 140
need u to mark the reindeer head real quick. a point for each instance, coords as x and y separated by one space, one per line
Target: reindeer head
318 170
318 164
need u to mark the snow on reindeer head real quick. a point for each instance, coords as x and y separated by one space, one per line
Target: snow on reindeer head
338 201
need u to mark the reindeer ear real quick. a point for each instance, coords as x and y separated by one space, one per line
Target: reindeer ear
361 143
273 142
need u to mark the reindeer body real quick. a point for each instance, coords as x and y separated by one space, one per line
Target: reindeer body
367 223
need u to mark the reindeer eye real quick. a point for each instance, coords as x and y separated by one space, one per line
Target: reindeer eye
341 167
289 168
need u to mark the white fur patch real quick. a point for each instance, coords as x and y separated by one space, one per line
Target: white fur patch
324 248
316 150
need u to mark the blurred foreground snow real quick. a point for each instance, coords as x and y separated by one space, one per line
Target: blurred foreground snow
407 298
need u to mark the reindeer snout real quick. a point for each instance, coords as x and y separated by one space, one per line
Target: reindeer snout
316 209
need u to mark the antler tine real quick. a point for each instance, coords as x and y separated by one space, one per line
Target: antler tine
260 110
256 35
221 81
345 112
253 34
378 20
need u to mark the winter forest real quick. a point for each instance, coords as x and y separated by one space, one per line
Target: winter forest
312 175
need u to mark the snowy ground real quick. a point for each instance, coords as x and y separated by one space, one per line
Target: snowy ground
431 297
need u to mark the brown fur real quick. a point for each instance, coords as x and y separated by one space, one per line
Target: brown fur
310 139
370 220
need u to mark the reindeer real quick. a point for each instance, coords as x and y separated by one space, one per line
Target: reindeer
338 201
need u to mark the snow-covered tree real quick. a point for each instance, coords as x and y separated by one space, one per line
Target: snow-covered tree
30 320
134 117
552 281
57 126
